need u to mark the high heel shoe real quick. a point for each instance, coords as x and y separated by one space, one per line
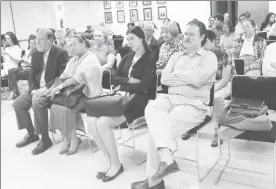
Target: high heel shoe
75 147
107 178
100 175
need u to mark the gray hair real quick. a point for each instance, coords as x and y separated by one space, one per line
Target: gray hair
47 32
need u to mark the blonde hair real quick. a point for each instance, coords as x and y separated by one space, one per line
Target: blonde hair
105 34
170 27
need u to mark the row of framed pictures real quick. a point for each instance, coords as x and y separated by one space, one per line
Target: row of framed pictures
133 13
120 4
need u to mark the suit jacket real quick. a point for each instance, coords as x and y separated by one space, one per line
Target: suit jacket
155 48
57 60
144 70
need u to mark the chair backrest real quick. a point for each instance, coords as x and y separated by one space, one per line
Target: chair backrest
212 95
268 42
106 80
263 34
255 88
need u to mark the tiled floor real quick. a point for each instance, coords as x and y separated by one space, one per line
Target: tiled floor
50 170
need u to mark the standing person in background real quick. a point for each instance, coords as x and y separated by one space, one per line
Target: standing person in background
248 15
23 72
211 23
219 20
152 42
226 17
12 53
67 31
269 21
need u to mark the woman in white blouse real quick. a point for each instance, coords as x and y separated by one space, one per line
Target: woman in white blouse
12 54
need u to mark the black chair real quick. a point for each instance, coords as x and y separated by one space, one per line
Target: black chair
268 42
272 38
195 132
256 88
263 34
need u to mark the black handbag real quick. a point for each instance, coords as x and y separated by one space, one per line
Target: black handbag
68 96
114 105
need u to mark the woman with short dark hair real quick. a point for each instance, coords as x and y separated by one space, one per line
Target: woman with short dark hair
12 54
84 67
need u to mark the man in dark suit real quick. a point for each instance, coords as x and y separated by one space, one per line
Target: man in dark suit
47 63
152 42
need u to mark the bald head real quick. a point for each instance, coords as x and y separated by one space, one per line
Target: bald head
44 39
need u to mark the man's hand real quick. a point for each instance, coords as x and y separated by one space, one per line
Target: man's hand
40 91
133 80
54 91
33 92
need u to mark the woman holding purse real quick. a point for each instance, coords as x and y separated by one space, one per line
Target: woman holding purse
83 68
136 75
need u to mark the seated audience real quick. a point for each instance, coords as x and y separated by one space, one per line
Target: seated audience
67 31
189 76
151 41
219 20
89 29
227 40
250 47
166 20
269 62
23 72
173 44
269 21
211 23
272 31
180 35
47 63
85 68
62 42
129 25
136 75
103 48
11 54
239 28
225 73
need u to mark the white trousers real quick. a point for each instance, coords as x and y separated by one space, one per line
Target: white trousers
168 117
6 67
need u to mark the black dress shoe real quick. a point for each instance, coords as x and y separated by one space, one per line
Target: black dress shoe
186 136
215 141
28 139
145 185
165 169
100 175
107 178
42 146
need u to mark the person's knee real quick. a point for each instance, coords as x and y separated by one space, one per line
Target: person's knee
17 104
38 103
92 123
149 110
103 124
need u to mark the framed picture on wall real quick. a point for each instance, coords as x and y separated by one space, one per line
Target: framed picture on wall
108 17
147 14
107 4
121 16
120 4
146 2
133 13
161 2
162 13
132 3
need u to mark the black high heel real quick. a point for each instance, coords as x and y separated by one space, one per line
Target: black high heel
107 178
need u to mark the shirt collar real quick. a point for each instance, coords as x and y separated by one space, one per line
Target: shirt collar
251 39
47 52
200 52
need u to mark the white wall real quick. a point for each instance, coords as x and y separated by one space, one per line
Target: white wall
272 6
6 17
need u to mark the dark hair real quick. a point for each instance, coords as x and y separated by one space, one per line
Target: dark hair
243 14
247 14
230 26
138 31
219 17
210 35
31 37
179 29
131 24
3 37
202 29
13 38
267 19
82 38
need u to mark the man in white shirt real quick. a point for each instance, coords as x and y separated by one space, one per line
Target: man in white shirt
47 63
269 61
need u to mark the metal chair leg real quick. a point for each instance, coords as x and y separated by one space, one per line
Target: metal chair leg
273 174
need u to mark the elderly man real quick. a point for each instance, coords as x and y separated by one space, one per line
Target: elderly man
152 42
61 42
189 76
47 63
226 17
269 61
